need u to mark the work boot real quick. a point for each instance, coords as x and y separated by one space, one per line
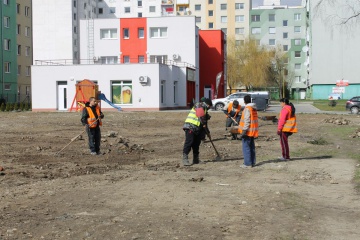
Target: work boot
196 159
186 160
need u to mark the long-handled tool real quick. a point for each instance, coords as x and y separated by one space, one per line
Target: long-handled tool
236 123
218 157
74 138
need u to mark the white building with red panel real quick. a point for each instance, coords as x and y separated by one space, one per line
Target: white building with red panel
156 58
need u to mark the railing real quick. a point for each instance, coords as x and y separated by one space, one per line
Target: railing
64 62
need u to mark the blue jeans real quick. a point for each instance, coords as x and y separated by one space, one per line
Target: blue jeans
248 148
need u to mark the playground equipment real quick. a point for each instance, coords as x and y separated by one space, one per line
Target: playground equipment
84 90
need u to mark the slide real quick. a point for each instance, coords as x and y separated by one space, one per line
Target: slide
102 97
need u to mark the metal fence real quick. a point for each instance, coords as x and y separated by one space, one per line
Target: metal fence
15 98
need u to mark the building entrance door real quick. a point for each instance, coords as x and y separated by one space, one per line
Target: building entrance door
62 97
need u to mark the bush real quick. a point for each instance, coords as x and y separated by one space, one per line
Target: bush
2 107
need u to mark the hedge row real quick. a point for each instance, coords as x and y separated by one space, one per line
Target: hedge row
9 107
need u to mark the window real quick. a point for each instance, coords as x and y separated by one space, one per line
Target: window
297 29
126 59
74 4
121 92
7 67
197 7
140 33
126 33
101 10
139 2
160 32
6 44
18 8
285 48
108 33
285 35
198 19
127 9
239 30
255 18
27 11
298 79
162 91
224 19
223 6
139 14
271 17
255 30
239 6
286 60
6 22
27 31
152 9
297 16
272 30
297 54
211 13
297 66
112 10
272 42
210 25
141 59
297 42
18 49
285 23
27 51
210 1
27 71
18 29
175 91
109 60
74 16
6 2
74 29
224 30
19 70
7 86
75 42
239 18
158 59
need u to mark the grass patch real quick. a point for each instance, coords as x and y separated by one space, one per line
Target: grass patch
324 105
318 141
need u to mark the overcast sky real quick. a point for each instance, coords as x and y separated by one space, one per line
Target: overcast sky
283 2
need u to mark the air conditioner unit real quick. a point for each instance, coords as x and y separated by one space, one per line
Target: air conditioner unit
176 56
143 79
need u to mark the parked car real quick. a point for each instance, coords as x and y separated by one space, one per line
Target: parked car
353 105
219 103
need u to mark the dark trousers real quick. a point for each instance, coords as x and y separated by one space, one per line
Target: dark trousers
94 135
248 147
192 141
285 144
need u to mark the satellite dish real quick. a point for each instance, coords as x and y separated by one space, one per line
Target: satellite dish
305 49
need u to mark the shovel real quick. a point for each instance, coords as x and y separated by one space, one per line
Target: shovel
74 138
218 157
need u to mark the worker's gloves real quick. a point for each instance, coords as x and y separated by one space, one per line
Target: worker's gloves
101 115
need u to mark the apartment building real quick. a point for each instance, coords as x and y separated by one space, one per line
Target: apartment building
24 49
8 50
230 16
285 28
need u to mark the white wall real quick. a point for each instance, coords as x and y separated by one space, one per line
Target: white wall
52 30
334 49
45 78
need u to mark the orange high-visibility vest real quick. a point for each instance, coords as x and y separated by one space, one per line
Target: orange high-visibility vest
290 124
92 117
230 107
253 130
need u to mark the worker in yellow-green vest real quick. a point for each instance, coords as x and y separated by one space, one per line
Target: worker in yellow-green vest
195 125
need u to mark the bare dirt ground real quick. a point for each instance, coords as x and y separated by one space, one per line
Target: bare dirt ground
138 190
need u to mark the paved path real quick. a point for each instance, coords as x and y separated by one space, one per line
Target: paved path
304 108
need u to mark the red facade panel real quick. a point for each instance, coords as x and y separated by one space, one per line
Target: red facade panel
133 44
211 60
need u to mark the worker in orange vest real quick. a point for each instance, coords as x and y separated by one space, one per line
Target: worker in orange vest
232 112
286 126
91 119
249 130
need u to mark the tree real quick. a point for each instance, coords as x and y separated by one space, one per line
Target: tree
338 12
248 64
